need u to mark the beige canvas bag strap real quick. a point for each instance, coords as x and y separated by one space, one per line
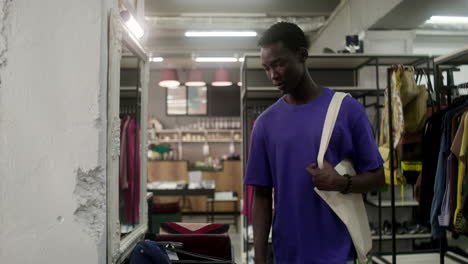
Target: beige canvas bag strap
330 120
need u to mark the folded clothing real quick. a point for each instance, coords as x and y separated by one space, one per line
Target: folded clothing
193 228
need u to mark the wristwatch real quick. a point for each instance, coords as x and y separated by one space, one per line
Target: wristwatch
349 184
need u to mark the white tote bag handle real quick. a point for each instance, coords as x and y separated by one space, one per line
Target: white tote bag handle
330 120
348 207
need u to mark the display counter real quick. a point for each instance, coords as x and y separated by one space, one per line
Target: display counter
228 179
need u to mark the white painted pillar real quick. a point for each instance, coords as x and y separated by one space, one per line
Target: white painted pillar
53 90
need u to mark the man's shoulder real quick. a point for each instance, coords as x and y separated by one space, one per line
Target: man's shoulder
351 103
270 112
352 109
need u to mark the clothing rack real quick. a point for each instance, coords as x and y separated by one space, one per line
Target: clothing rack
255 92
449 63
130 105
390 71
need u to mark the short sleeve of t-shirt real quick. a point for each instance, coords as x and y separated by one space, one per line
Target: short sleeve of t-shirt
365 153
258 168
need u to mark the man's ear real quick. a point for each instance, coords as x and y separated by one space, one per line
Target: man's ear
303 54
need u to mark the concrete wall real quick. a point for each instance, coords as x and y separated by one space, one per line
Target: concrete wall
350 17
53 131
437 45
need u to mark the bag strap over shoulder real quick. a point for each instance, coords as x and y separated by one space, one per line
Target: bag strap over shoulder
330 120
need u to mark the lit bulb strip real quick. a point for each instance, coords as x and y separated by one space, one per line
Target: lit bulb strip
220 34
447 20
157 59
216 59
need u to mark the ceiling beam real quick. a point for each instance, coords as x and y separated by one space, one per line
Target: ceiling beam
411 14
269 7
307 24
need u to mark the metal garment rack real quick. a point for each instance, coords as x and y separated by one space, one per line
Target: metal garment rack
448 64
255 92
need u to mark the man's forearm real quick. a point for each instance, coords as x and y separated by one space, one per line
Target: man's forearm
262 214
368 181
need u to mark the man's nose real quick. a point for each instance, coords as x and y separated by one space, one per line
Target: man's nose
273 75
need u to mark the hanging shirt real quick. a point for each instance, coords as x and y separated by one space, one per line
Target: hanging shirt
285 140
132 193
431 149
440 183
448 202
454 168
444 217
459 148
123 183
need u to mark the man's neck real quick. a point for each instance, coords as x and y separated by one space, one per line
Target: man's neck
306 91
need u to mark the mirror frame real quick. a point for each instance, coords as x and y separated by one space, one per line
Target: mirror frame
118 249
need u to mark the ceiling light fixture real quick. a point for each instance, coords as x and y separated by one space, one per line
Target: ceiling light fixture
132 24
447 20
221 78
156 59
223 15
216 59
220 34
169 78
241 59
195 79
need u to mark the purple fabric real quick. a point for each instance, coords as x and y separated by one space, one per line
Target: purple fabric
285 141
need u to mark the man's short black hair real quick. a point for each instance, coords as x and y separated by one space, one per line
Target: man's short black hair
287 33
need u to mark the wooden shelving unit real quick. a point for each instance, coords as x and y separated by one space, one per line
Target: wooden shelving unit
193 136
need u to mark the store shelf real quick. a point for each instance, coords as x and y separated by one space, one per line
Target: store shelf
214 141
387 203
163 141
346 61
197 131
194 142
403 237
420 258
260 92
457 57
358 90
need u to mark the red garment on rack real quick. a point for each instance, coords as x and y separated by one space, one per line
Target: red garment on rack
248 202
248 193
132 193
123 184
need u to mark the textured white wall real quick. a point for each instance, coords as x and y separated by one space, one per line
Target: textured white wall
52 131
438 44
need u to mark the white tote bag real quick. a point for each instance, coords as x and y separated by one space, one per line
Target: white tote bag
349 207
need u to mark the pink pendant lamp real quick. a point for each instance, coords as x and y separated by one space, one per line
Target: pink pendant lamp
169 78
195 79
221 78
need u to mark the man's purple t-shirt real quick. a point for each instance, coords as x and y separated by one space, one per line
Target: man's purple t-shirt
285 140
